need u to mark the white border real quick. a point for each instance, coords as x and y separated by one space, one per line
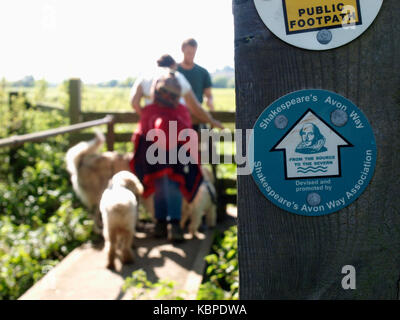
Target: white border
271 13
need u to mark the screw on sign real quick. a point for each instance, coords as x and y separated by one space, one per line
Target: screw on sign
324 36
318 24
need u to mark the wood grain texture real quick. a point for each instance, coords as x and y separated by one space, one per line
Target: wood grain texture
75 100
285 256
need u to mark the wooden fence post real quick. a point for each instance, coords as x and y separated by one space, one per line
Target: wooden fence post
287 256
12 95
110 136
74 91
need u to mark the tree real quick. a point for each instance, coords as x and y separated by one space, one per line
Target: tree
282 255
27 81
220 82
40 90
128 82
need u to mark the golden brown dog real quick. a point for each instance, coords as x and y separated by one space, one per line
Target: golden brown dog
90 172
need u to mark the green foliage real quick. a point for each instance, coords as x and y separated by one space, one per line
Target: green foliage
127 83
17 119
142 288
40 90
54 95
41 220
222 273
27 252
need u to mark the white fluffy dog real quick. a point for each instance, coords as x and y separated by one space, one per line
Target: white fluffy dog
204 203
119 211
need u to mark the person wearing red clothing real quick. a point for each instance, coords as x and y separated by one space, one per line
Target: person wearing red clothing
155 160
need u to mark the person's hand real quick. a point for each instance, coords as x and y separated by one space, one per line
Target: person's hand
216 124
211 106
138 110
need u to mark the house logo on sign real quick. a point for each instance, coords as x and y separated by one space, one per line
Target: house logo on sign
311 149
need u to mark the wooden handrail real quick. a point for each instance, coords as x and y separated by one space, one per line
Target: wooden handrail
45 107
17 140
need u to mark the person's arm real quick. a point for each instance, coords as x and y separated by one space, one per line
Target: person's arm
209 99
135 100
195 108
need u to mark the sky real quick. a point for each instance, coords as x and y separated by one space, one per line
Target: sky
100 40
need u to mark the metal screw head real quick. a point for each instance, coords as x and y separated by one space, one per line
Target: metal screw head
324 36
339 118
281 122
313 199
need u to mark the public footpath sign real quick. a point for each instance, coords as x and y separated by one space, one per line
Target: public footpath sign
314 152
318 24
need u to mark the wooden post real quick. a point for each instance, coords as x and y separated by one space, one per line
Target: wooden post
110 136
12 95
74 91
17 94
286 256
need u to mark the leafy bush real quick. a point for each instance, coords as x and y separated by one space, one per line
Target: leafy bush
222 274
141 287
41 220
27 253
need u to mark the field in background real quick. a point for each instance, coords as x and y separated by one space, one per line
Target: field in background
117 99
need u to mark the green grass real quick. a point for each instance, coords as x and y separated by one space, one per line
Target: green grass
105 99
117 99
224 99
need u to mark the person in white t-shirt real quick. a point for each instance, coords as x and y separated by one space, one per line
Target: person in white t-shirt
144 87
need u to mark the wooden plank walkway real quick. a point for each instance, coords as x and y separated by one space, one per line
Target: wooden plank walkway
82 274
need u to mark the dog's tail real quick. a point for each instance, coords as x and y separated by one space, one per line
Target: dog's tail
136 186
76 153
128 180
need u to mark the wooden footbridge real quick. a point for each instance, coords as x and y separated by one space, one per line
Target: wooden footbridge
82 275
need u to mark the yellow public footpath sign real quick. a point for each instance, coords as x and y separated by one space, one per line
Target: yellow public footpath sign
310 15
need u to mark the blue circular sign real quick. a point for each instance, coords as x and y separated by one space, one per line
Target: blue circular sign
314 152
